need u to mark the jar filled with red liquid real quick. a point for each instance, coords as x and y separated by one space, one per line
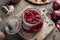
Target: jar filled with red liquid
32 20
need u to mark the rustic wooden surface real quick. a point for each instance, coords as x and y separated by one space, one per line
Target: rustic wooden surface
48 24
47 28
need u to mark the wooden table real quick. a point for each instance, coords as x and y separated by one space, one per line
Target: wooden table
48 23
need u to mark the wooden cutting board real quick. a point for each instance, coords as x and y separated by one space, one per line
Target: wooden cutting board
48 23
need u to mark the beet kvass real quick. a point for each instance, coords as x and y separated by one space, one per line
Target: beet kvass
32 20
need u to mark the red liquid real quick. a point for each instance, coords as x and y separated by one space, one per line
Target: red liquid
32 16
34 29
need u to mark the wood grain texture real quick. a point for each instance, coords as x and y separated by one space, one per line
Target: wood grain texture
47 28
48 23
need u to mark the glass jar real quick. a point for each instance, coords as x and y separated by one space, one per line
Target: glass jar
32 20
12 25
